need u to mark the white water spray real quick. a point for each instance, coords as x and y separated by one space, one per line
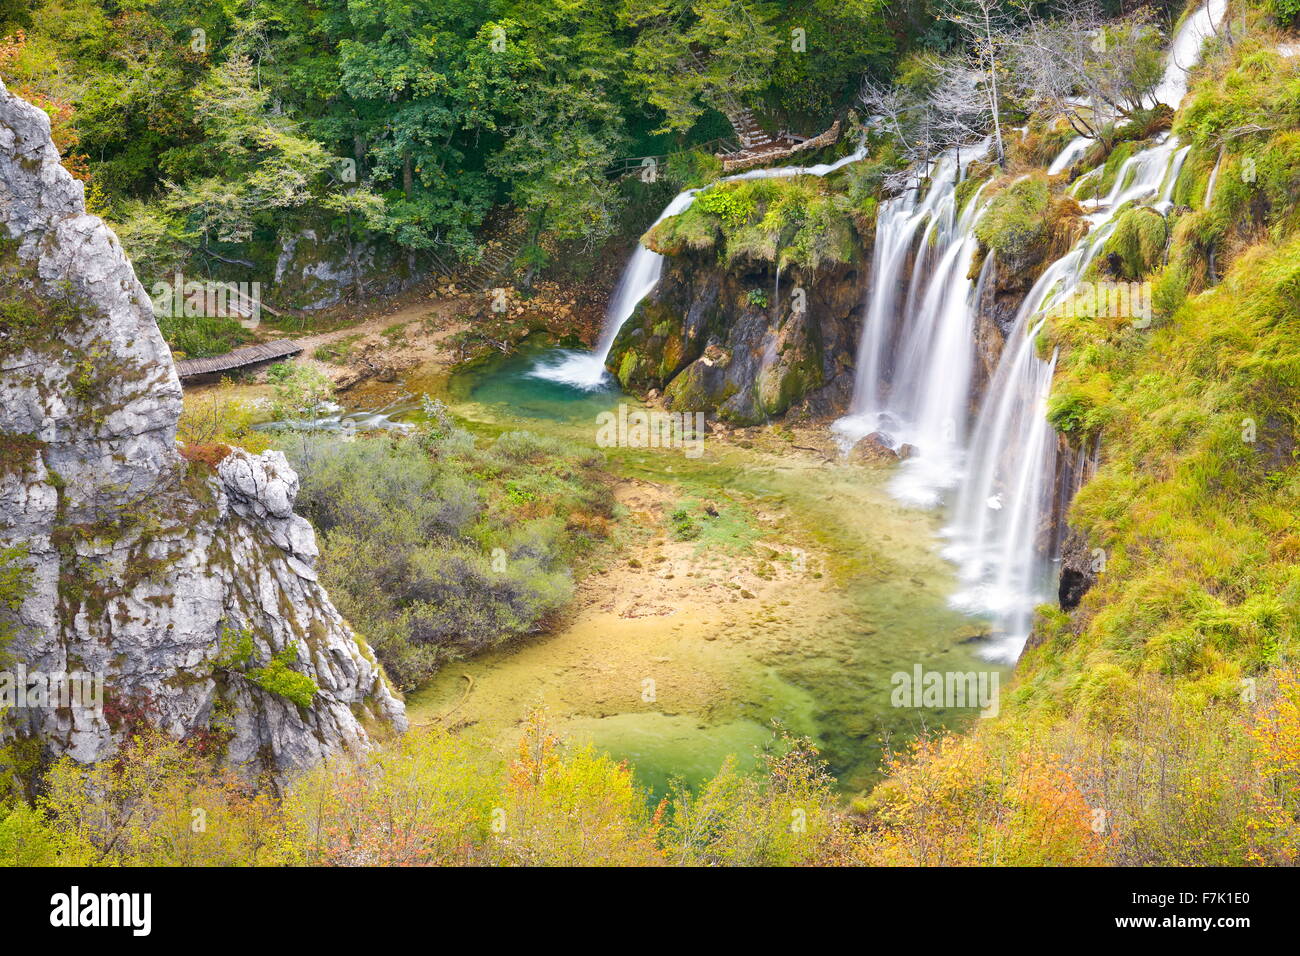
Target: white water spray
915 364
1185 51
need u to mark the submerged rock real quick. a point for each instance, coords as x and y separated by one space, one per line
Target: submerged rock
139 563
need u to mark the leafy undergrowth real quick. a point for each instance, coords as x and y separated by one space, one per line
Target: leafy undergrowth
1244 118
1184 785
215 418
202 336
430 798
1122 770
1196 504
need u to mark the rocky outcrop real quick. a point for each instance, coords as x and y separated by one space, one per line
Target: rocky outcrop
1079 568
139 565
731 343
316 269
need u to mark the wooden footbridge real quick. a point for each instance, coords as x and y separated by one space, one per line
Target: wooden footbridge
239 358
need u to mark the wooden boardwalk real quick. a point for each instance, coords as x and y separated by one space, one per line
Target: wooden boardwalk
239 358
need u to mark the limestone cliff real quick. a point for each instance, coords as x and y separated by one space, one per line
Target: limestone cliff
140 565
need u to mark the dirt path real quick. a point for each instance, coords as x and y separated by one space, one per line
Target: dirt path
383 346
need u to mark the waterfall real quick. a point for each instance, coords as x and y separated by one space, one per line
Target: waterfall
897 222
1185 51
1073 150
1213 180
915 364
586 370
998 533
914 369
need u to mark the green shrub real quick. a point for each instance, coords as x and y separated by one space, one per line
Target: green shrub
799 221
693 168
301 391
434 548
235 655
202 337
1137 244
685 527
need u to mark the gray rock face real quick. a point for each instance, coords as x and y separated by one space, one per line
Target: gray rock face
317 269
140 563
699 338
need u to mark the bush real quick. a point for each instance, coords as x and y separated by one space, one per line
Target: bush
1137 244
798 221
685 527
301 391
202 337
434 548
212 419
693 168
1015 225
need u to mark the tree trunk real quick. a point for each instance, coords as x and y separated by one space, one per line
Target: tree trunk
993 86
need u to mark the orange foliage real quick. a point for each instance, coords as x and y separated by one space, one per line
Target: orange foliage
1274 826
949 801
210 455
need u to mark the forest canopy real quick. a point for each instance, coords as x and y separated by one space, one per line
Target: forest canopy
214 127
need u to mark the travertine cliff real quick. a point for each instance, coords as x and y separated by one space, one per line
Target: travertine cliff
139 562
701 337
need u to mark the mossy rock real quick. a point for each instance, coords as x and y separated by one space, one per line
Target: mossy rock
1136 247
1015 225
627 368
699 387
798 221
651 347
796 372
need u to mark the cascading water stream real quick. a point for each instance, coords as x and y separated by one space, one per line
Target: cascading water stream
915 364
999 533
897 222
1212 182
586 370
998 538
1185 51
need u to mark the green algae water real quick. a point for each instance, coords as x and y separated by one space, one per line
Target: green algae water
793 609
507 387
